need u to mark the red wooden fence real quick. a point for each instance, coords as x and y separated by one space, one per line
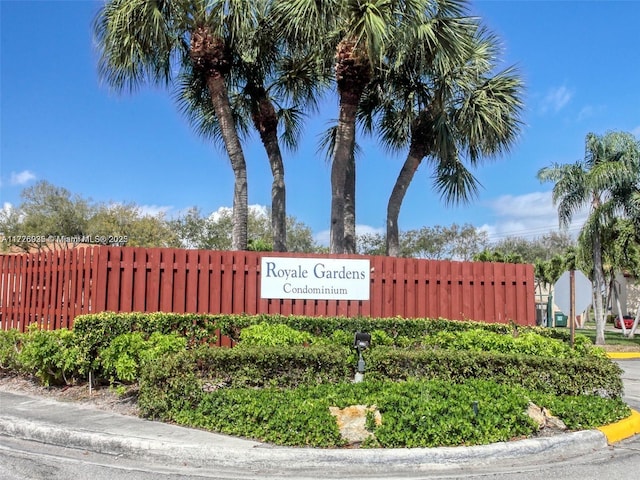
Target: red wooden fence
52 288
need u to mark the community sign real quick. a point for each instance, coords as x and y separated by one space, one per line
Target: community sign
315 278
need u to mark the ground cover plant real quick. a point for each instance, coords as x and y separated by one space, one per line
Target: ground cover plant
434 382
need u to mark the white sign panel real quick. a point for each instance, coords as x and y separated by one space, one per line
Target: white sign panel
315 278
562 292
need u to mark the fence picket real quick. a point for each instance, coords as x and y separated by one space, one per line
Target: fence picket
53 288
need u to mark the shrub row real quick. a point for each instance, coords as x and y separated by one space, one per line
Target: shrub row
96 330
177 382
572 376
415 413
174 383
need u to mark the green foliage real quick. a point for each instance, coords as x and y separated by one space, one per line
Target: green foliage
51 211
122 359
403 331
456 242
10 342
95 332
281 417
52 356
526 343
273 335
415 413
571 376
162 382
582 412
213 232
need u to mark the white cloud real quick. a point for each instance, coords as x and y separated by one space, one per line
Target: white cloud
586 112
21 178
258 210
530 215
636 131
556 99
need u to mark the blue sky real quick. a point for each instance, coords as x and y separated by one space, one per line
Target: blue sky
580 61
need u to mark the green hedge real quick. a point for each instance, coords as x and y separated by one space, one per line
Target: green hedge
572 376
95 331
174 382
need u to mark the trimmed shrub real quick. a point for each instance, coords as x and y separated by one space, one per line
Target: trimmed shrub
163 381
52 356
272 335
122 359
571 376
10 341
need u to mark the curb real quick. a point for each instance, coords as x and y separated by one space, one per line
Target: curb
623 355
623 429
269 459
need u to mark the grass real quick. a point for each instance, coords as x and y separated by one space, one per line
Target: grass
614 340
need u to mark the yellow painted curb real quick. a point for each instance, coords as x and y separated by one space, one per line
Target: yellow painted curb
623 355
625 428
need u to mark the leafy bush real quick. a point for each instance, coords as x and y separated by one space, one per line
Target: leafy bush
10 341
583 412
414 413
526 343
570 376
273 335
122 359
95 332
52 356
164 381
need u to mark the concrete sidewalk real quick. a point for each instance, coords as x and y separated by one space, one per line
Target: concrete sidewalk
76 426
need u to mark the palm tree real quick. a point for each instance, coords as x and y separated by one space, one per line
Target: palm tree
146 41
604 183
358 35
450 110
271 88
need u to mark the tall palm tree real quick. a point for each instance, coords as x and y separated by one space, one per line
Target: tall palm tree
454 111
146 41
603 182
271 88
358 35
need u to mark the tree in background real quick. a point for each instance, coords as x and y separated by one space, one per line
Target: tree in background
50 218
211 232
148 41
435 243
46 211
542 248
600 183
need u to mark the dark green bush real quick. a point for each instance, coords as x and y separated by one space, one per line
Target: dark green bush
95 332
162 381
52 356
10 344
583 411
573 376
122 359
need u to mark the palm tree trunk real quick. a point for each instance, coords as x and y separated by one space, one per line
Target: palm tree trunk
599 286
266 122
411 164
222 108
350 208
345 141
